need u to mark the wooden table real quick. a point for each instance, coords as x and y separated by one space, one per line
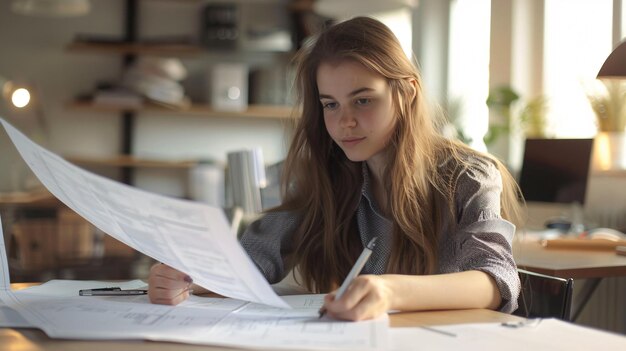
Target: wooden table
567 263
36 340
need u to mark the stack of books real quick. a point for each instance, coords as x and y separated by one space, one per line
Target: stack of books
158 79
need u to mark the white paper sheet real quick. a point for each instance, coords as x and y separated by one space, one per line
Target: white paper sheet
212 321
139 218
8 316
5 280
548 334
69 288
191 237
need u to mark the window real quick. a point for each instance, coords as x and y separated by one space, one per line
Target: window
468 75
394 14
577 41
399 21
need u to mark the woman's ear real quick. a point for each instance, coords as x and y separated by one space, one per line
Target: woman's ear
413 83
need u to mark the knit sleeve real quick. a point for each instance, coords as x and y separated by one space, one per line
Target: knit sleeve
483 238
268 243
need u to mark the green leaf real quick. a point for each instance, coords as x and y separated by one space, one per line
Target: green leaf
502 97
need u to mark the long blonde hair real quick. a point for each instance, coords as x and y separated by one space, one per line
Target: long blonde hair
322 187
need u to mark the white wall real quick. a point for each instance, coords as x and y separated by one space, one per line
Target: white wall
33 49
431 20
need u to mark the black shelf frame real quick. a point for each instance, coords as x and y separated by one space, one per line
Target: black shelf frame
128 117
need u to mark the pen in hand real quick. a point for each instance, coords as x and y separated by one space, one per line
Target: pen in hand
356 269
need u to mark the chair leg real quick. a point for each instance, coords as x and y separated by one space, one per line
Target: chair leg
588 288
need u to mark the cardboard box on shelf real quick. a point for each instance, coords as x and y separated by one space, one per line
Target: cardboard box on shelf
35 243
75 236
116 248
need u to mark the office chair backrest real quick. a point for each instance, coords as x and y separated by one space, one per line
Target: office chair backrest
544 296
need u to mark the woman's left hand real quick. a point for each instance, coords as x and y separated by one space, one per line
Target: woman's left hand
369 296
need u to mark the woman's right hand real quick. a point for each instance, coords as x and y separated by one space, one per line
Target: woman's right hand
168 286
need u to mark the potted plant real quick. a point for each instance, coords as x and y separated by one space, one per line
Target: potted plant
531 116
512 120
609 105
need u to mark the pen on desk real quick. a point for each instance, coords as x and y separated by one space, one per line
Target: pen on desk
356 269
111 292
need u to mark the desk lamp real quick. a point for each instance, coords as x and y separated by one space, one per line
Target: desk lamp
615 64
19 104
21 99
610 153
610 146
18 95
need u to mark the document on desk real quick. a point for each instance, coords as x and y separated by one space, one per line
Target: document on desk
70 288
547 334
192 237
207 321
8 316
5 280
56 308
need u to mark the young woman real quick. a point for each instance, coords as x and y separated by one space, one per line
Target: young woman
367 161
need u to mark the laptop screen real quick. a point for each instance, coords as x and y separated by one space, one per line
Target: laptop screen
556 170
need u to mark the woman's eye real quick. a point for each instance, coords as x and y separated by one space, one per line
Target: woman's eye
329 105
363 101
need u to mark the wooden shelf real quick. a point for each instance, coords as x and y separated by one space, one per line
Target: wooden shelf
160 49
40 196
170 50
131 161
200 110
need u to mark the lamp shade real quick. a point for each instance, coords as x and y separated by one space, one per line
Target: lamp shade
615 64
